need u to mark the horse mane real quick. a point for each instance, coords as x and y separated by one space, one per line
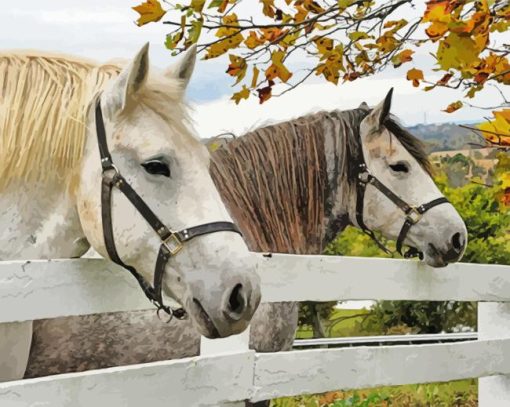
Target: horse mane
274 180
43 108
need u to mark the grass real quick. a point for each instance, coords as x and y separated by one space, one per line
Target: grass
344 322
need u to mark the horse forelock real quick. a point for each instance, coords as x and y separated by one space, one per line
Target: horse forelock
43 112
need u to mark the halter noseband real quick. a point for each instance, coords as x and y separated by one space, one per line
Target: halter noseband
171 242
413 213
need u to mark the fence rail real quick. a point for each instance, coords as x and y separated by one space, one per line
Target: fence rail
45 289
84 286
386 340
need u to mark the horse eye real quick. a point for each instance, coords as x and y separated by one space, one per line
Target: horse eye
156 167
400 167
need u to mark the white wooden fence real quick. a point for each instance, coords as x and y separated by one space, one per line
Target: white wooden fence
227 372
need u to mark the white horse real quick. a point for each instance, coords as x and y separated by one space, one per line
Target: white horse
51 176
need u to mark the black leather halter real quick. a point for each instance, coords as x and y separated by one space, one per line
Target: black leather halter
413 214
171 242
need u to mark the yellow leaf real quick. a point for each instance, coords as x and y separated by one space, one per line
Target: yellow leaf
324 44
150 12
457 52
255 78
244 93
415 75
197 5
277 69
497 131
358 35
221 47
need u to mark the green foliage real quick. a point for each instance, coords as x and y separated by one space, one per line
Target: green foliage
457 393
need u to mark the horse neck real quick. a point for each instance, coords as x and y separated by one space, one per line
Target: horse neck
39 221
343 153
280 184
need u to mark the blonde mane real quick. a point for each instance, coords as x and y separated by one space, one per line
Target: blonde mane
43 107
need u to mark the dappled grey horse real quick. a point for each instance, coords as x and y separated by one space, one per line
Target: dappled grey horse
291 187
104 156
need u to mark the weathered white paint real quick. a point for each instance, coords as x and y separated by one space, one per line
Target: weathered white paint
234 343
229 379
315 371
494 323
200 381
329 278
47 289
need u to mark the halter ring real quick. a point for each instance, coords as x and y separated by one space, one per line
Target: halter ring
414 215
173 244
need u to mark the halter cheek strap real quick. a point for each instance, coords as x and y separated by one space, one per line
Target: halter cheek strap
171 242
413 214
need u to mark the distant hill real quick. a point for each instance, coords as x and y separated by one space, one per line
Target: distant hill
445 136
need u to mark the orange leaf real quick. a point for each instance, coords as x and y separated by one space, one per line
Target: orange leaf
415 75
253 41
452 107
150 12
402 57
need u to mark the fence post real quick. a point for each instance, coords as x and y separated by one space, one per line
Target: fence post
494 323
234 343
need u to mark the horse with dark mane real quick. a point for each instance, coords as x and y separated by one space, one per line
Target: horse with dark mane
291 188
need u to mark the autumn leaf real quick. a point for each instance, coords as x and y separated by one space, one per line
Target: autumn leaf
497 131
402 57
150 12
197 5
277 69
452 107
237 68
244 93
415 75
255 77
324 44
232 37
253 40
265 93
457 52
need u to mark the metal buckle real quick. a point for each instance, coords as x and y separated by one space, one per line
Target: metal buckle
365 177
414 215
173 244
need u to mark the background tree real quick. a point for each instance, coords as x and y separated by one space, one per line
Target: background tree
345 40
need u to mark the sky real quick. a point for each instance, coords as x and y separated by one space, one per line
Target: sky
104 29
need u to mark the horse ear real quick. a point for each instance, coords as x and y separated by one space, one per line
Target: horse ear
364 106
382 110
130 80
183 69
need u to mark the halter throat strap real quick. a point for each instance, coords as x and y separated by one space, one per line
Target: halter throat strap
171 241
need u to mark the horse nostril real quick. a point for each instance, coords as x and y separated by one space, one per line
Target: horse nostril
236 302
457 243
